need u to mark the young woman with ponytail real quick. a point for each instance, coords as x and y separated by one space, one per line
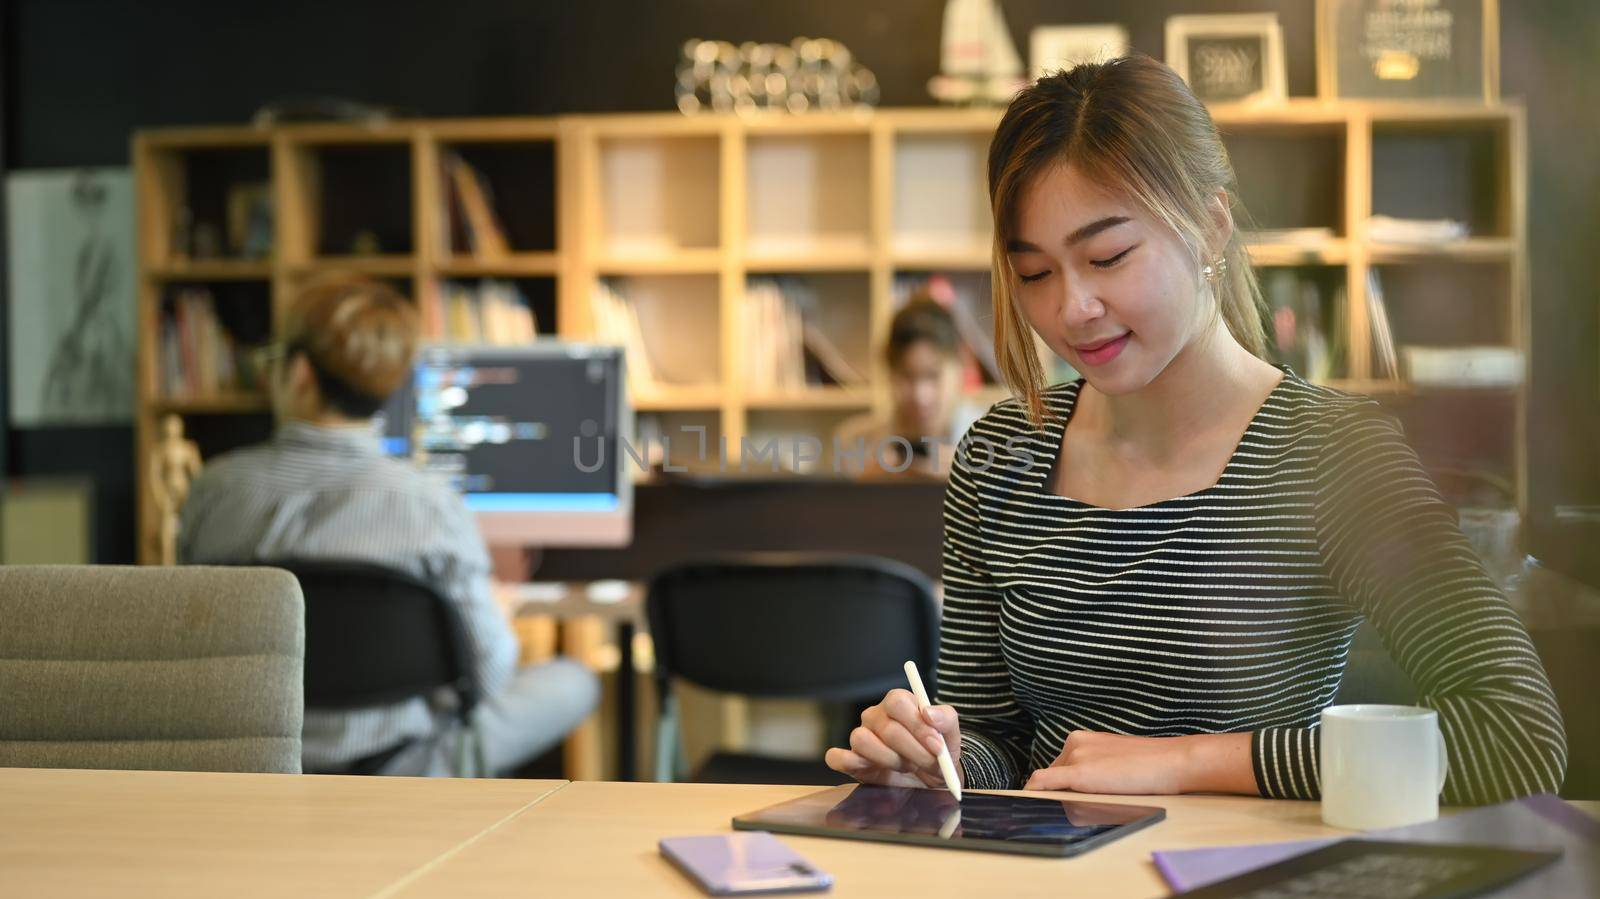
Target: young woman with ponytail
1152 574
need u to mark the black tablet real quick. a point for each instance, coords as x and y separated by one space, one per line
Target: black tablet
1031 825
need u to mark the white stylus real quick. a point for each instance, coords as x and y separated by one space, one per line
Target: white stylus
947 766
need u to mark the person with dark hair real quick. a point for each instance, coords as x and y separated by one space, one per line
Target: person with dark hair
1152 583
322 489
919 436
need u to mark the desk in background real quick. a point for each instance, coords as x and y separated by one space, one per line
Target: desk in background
548 616
674 520
680 519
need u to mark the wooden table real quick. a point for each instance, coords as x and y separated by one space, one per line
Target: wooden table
599 839
137 833
169 834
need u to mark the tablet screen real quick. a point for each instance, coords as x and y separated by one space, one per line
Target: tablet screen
1030 824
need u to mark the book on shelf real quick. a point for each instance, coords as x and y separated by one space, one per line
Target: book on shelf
1385 362
1466 366
199 357
969 307
835 368
616 321
490 312
1390 229
470 221
774 341
1297 329
786 348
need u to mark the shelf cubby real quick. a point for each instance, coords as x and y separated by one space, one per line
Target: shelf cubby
347 194
1290 177
208 203
658 195
677 314
807 194
518 178
1306 319
188 351
1443 170
940 198
836 304
1446 304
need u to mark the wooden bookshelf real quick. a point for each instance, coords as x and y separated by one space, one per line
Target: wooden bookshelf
212 270
812 398
1331 252
683 213
516 265
1472 249
681 262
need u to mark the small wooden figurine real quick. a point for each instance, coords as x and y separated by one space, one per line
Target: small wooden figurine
173 466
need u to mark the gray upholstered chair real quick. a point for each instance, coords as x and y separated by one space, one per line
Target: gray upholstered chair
187 668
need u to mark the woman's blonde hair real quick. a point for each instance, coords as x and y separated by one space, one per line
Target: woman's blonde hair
1131 124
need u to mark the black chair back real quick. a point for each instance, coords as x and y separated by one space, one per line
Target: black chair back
375 636
825 627
1371 675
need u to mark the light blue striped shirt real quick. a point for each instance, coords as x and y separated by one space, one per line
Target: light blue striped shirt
316 492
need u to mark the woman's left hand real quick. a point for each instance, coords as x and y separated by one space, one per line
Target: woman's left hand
1092 762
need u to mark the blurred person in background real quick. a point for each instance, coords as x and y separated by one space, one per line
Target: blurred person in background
928 413
322 489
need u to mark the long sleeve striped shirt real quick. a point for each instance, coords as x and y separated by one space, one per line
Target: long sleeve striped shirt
328 493
1231 609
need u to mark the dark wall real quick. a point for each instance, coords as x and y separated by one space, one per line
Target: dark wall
1548 58
92 70
82 74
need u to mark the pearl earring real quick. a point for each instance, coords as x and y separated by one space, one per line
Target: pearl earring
1215 270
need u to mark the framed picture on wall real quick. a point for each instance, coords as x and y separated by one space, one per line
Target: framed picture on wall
1053 48
1229 58
70 247
1408 49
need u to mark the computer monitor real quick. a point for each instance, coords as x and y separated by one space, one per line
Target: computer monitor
529 435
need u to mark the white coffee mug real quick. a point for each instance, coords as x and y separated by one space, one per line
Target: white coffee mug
1382 765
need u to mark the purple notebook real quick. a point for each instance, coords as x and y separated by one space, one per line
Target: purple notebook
1537 822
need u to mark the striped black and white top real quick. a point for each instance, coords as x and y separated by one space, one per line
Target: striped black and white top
328 493
1230 609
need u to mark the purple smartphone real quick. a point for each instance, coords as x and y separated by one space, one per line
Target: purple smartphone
740 864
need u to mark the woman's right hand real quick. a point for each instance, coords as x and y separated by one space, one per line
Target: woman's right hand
897 746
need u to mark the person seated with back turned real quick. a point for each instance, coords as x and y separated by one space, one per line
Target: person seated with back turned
322 489
924 356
